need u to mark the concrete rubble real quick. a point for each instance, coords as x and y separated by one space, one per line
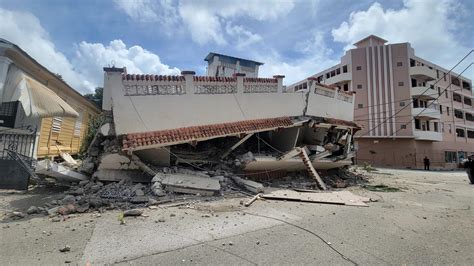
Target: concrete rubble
111 178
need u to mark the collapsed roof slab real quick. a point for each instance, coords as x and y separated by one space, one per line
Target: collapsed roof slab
270 163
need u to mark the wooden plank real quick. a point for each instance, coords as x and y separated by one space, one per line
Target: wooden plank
334 197
252 200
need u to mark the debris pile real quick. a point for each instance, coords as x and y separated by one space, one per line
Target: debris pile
343 177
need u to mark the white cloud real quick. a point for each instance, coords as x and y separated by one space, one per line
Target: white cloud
243 37
316 57
25 30
429 25
203 26
207 21
150 11
84 71
92 57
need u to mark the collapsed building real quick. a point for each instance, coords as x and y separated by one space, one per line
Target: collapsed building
252 125
162 138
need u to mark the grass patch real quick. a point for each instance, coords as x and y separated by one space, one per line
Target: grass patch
367 167
381 188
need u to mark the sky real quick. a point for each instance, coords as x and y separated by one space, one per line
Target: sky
295 38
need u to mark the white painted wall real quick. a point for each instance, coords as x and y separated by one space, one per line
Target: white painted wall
133 114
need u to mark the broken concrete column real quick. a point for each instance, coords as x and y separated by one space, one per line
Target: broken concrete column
249 185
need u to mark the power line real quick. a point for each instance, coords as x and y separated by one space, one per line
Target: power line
411 98
393 115
416 98
414 117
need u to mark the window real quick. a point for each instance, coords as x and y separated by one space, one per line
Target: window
344 69
57 122
360 106
338 71
466 85
400 83
449 129
455 81
458 114
441 109
358 68
346 87
78 125
328 75
442 127
467 101
460 132
402 103
359 86
435 126
450 156
470 134
469 117
333 73
439 91
403 127
399 64
447 110
444 76
417 124
457 97
437 73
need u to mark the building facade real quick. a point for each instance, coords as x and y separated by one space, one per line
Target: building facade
408 107
40 114
220 65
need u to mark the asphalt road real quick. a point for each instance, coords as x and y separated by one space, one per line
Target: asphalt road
430 221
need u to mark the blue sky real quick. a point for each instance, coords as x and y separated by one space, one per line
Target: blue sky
294 38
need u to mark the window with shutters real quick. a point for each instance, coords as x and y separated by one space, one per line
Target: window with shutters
57 123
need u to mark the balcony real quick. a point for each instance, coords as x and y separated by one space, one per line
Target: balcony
341 78
422 72
424 93
428 135
429 113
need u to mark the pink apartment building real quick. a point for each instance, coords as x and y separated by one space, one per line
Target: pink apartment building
408 107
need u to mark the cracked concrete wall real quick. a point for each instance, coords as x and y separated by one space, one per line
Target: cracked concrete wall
144 113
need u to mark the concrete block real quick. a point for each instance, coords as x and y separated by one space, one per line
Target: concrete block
250 185
115 161
190 184
105 129
118 175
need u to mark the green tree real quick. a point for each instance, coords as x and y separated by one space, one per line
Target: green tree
96 97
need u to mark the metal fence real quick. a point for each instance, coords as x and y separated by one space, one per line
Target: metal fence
21 144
